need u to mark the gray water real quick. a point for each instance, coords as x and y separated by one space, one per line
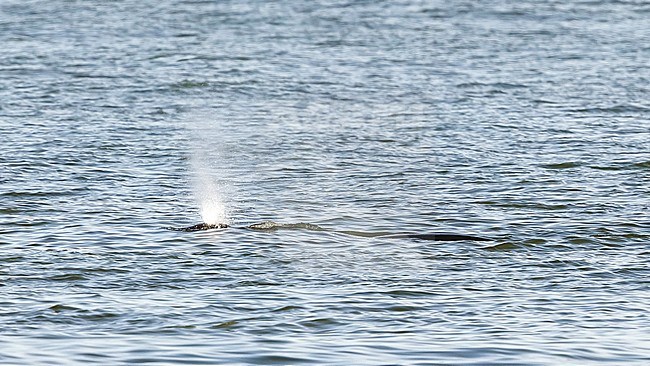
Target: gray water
527 122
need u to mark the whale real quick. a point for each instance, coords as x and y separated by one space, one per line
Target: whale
199 227
439 237
273 226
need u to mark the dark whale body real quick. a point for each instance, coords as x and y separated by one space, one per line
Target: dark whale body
440 237
271 226
199 227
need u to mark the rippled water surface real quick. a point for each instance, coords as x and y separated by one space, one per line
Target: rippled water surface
527 122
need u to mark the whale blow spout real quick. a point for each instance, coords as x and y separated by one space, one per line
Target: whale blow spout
199 227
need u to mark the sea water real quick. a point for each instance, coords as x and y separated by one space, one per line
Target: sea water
523 121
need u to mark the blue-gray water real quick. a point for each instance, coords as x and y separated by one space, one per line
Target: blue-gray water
524 121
